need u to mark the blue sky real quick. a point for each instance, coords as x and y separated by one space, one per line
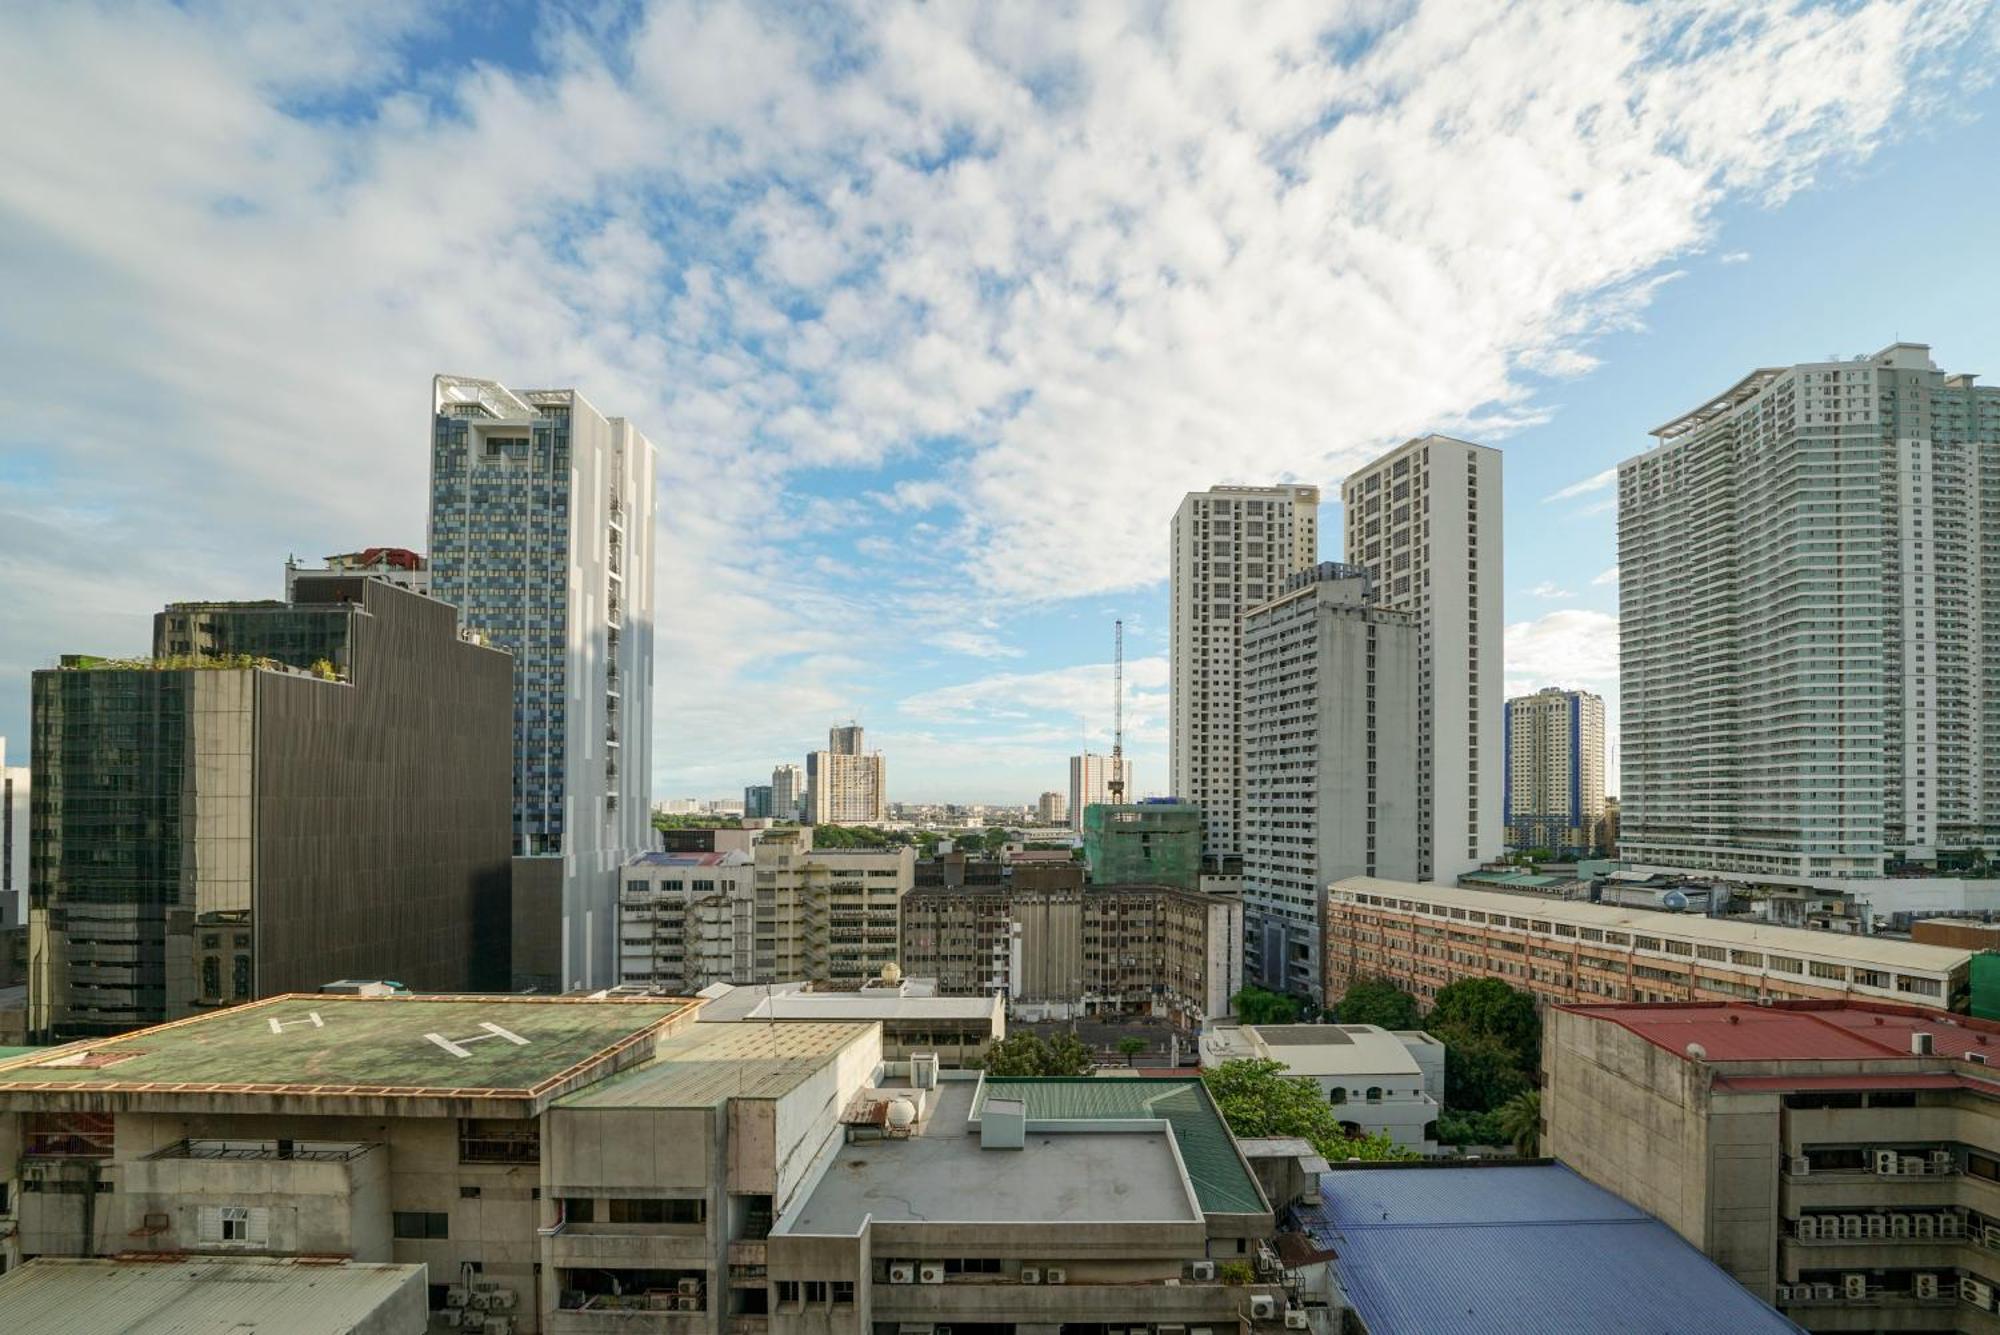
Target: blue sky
934 314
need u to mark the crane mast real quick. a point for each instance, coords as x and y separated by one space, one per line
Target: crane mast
1116 785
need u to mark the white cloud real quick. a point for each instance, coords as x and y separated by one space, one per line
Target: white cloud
1013 251
1574 649
974 644
1734 257
1551 590
1595 482
1603 577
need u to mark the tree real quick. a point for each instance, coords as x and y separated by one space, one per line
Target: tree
1480 1073
1260 1098
1489 1008
1380 1002
1520 1121
1030 1054
1132 1046
1254 1005
1457 1128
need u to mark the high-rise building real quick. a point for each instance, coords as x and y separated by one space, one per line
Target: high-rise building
1424 520
1806 593
1143 843
1554 796
398 565
13 841
541 531
285 794
1052 809
756 801
1330 762
1232 548
1090 784
788 792
846 785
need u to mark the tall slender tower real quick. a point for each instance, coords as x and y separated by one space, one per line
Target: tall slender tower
542 533
1231 548
1555 770
1424 522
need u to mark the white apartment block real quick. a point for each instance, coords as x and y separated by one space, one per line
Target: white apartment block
845 785
1424 520
1807 584
788 792
1090 784
1555 770
541 532
1052 808
1231 549
1330 762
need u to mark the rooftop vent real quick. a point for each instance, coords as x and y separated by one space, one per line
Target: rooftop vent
1921 1045
1003 1125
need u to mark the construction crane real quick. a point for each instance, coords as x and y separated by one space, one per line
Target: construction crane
1116 786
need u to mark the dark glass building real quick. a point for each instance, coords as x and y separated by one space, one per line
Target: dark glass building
283 795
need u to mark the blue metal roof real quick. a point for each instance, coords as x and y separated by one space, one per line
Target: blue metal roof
1517 1247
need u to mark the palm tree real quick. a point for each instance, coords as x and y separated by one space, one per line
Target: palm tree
1520 1120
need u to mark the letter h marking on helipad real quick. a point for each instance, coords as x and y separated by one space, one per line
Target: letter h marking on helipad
457 1048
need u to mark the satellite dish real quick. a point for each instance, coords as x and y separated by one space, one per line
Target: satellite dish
1697 1051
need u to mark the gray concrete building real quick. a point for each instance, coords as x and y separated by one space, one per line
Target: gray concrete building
1330 702
283 794
14 784
846 784
541 532
788 792
1554 795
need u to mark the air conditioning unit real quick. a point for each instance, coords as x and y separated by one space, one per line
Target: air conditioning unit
1031 1274
1886 1162
481 1300
499 1325
456 1297
451 1316
1973 1291
1822 1293
1990 1235
1943 1161
1202 1270
1878 1226
1926 1286
504 1300
930 1272
1263 1307
1295 1319
902 1272
690 1287
473 1319
1055 1275
1801 1166
1851 1226
1784 1293
1913 1165
1950 1226
685 1303
1807 1229
1899 1226
1854 1286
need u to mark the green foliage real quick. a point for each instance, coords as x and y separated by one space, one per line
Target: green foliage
1235 1272
1489 1008
1380 1002
663 821
1520 1121
1463 1128
1132 1045
1480 1073
1255 1005
1259 1098
1029 1054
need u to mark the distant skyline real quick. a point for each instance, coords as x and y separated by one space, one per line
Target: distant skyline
934 313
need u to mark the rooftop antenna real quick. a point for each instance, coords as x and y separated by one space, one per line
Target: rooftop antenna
1117 784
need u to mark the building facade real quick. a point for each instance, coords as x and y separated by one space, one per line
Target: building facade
1143 843
285 794
915 1019
1052 808
1554 794
845 784
541 532
1805 607
1230 549
1424 521
14 785
1380 1082
788 792
1090 784
758 801
1837 1158
1330 762
1423 937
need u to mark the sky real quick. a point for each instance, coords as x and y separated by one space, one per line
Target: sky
935 311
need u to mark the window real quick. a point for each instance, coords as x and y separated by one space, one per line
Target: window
233 1226
579 1209
499 1140
422 1224
815 1290
658 1210
843 1292
78 1135
788 1290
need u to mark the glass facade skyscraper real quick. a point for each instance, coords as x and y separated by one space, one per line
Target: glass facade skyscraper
541 533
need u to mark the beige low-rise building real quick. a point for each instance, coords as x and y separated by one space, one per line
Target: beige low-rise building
914 1018
1379 1082
1841 1159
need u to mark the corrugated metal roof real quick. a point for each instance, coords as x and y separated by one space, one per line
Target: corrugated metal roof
712 1062
1518 1247
1798 1030
1221 1182
202 1295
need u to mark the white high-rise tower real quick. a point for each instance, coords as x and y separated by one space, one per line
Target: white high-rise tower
542 533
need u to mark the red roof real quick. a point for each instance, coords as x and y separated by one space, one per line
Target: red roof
1799 1030
399 558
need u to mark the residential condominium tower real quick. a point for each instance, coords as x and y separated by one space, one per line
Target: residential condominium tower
1424 521
1231 548
1090 784
846 785
1807 588
13 841
541 532
1554 796
788 792
1329 759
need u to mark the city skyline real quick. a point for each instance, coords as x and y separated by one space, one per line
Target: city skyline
887 386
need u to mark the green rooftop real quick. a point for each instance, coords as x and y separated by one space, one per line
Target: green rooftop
332 1044
703 1066
1221 1182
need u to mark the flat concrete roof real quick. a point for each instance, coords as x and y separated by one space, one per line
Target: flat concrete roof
941 1175
242 1294
1319 1050
784 1002
709 1063
329 1044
